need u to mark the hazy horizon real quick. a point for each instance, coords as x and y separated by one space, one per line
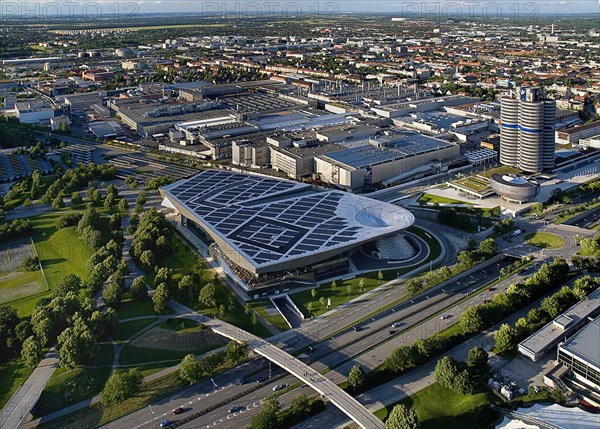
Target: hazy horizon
248 7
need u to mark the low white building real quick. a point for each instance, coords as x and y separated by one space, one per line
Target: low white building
34 111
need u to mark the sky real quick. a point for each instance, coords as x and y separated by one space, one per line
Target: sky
476 8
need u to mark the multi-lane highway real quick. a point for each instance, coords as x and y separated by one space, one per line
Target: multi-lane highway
340 350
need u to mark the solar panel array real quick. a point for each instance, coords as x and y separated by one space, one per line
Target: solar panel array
366 155
245 212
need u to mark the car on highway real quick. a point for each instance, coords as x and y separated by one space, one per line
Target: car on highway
178 410
391 332
236 409
396 324
357 328
260 379
444 316
165 423
279 387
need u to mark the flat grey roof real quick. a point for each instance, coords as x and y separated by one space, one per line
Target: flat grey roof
402 147
586 343
540 342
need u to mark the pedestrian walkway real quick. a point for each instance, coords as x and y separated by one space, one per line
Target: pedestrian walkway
325 387
25 398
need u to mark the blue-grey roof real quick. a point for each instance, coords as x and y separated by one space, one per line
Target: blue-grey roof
404 147
585 344
269 220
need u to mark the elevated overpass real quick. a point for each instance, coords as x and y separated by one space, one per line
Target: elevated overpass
326 388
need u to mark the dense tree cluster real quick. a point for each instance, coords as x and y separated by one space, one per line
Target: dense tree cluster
121 385
507 337
454 375
16 229
151 239
479 317
76 179
402 417
103 263
469 258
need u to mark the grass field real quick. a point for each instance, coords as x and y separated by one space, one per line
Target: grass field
432 199
67 387
340 294
126 329
438 407
474 183
12 375
544 240
97 415
61 252
131 308
170 340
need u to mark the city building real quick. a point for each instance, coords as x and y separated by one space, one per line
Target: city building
575 134
581 354
34 111
270 234
383 158
541 342
527 130
513 188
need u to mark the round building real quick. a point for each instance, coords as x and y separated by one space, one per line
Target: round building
513 188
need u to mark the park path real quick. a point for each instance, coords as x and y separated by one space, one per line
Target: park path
25 398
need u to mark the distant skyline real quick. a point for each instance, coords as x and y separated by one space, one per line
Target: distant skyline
449 8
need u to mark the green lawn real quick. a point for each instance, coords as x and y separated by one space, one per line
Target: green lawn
432 199
21 285
126 329
206 341
276 320
544 240
340 294
438 407
474 183
129 308
61 252
67 387
97 415
12 375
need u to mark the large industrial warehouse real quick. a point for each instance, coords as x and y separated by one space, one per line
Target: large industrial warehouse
266 231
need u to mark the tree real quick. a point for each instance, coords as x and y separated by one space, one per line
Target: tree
477 358
209 296
557 395
414 286
472 320
361 284
505 338
92 237
267 417
333 285
161 298
537 208
401 358
121 386
190 369
356 377
69 283
349 288
123 207
113 293
31 352
76 198
147 260
300 405
323 301
58 202
77 344
186 288
313 293
446 370
114 222
236 352
402 417
488 247
380 276
111 197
